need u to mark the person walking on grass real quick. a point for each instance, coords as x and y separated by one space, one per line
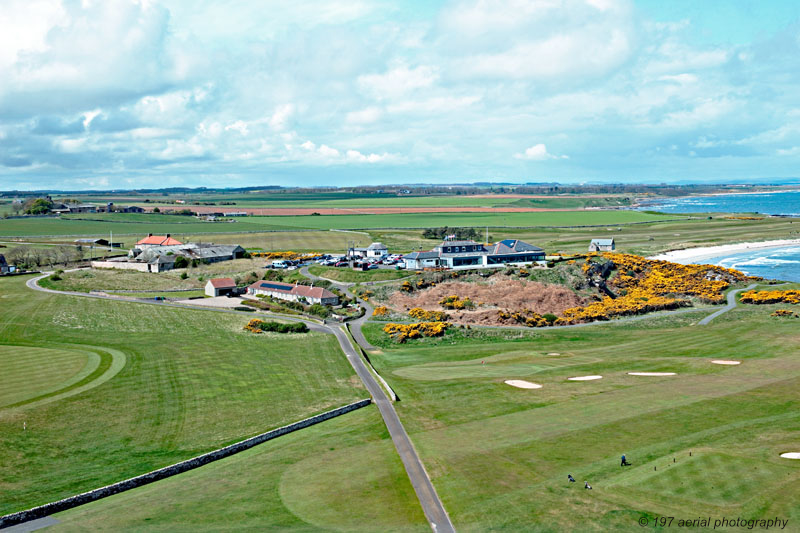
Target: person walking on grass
624 461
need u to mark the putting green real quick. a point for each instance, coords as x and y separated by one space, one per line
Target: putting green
713 477
34 375
498 366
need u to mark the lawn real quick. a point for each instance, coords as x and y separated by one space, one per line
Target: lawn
499 456
110 390
348 275
304 481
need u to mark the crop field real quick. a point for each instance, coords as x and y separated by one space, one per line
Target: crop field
644 239
355 200
95 391
307 481
133 224
704 442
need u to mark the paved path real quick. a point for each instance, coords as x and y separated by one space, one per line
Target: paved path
731 304
431 504
355 325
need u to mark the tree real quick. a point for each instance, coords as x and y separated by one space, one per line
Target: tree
156 210
181 262
38 206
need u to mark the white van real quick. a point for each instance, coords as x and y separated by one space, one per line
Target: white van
279 264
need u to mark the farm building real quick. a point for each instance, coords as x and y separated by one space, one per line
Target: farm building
455 254
220 286
155 258
287 291
98 242
157 240
602 245
4 268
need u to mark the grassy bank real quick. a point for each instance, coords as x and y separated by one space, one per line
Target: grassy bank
189 381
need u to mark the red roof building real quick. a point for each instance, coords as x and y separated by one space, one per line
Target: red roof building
158 240
287 291
220 286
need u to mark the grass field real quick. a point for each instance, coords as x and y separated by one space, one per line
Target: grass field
169 384
306 481
499 456
136 224
635 238
348 275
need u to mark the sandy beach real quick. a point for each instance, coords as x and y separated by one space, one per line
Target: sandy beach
705 253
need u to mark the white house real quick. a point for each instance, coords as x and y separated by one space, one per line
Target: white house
287 291
602 245
470 254
220 286
377 249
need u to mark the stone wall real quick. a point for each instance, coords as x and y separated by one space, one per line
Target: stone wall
168 471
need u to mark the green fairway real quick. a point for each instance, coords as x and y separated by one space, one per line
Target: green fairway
499 455
305 481
170 384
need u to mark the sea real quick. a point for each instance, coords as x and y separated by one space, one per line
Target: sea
772 263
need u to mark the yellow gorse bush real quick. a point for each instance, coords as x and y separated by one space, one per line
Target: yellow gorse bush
771 297
402 332
645 285
380 311
428 316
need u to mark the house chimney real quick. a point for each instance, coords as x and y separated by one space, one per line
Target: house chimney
149 234
167 235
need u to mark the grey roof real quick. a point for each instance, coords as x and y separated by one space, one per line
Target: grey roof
603 242
377 246
190 250
3 260
510 246
421 255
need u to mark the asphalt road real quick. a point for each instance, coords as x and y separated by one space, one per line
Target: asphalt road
429 500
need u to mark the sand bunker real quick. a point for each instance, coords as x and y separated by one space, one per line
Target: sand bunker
651 373
725 362
522 384
791 455
553 353
584 378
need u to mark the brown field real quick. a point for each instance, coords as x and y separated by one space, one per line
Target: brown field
489 297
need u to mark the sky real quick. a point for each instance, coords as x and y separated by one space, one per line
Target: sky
104 94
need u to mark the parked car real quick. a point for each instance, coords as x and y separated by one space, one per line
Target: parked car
341 264
401 265
373 267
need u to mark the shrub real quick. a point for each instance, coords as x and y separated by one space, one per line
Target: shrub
402 332
771 297
181 262
380 311
184 275
55 277
454 302
258 326
784 312
319 310
428 316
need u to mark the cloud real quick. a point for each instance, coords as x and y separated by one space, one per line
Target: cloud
538 152
397 81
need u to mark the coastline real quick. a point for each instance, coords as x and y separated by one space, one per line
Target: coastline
704 253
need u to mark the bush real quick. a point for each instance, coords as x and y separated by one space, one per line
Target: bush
55 277
319 310
258 326
184 275
181 262
155 209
